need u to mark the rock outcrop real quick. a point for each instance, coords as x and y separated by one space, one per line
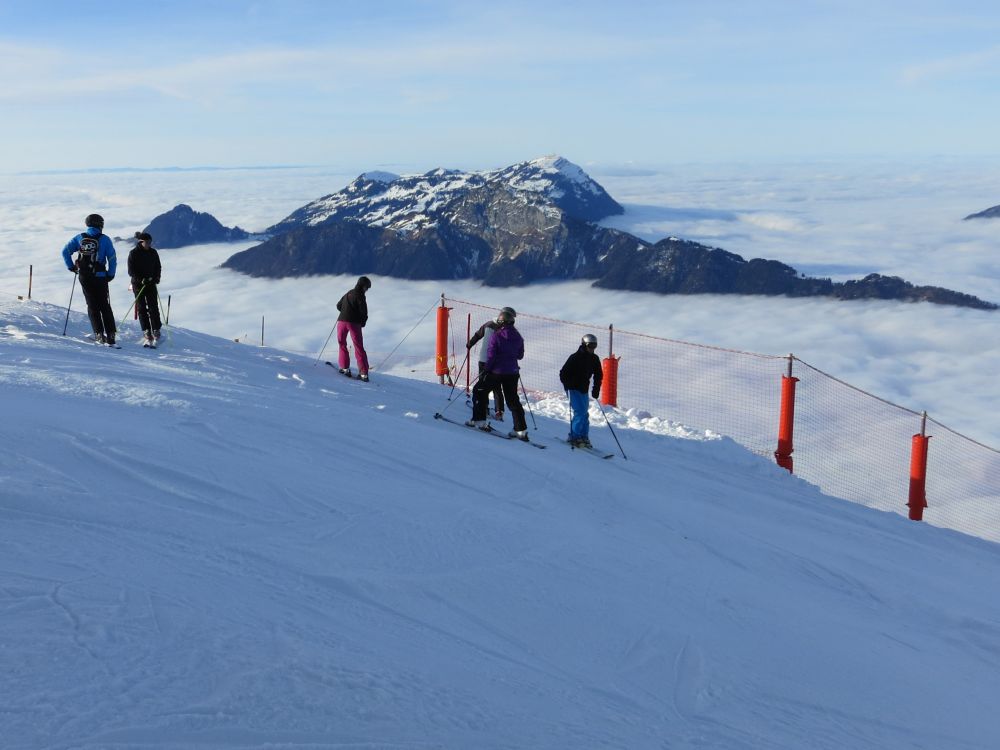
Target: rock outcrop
182 226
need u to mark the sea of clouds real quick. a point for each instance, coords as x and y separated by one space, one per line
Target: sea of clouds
841 220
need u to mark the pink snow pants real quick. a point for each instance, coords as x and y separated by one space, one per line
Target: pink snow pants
343 328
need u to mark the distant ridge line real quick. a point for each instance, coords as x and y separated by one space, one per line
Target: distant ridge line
129 170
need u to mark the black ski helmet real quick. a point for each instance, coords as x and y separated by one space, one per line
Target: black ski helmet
506 315
95 220
589 340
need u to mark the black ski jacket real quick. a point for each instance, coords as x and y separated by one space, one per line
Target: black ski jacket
575 374
485 330
143 266
353 306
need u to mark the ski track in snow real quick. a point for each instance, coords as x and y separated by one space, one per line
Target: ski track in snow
219 545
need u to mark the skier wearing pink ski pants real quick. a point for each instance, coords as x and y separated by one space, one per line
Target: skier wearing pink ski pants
353 309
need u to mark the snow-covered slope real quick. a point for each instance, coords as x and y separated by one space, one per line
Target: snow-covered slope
218 545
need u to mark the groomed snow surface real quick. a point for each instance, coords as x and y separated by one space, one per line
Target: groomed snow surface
214 545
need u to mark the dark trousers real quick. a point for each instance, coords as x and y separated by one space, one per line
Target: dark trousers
148 307
95 291
497 392
508 385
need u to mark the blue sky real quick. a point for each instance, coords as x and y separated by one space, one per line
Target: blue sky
360 85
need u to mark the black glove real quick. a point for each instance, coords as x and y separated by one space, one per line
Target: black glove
596 392
72 270
111 277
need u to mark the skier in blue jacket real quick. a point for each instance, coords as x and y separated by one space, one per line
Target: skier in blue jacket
95 264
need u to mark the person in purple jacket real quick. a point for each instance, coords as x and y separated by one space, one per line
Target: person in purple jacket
505 349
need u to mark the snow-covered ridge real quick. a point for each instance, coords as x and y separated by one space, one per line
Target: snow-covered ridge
378 176
387 200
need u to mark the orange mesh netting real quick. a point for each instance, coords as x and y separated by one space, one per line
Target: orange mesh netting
850 443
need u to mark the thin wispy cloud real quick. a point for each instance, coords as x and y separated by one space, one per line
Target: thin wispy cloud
38 74
985 62
486 83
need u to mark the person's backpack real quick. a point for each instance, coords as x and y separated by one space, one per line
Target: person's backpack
87 261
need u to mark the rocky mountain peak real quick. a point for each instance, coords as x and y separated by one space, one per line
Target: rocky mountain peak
182 226
382 199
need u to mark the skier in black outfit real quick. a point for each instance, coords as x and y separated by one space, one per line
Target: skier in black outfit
95 265
575 376
484 333
144 270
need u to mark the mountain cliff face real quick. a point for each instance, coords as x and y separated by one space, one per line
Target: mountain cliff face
989 213
182 225
876 286
528 222
674 266
508 227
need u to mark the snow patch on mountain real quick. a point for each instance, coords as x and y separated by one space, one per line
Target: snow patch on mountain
383 199
377 176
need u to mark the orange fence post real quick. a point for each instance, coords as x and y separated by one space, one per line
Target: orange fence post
918 472
609 387
786 420
441 360
609 372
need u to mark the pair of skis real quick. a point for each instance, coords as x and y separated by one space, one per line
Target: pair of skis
494 433
145 344
345 373
91 340
584 449
505 436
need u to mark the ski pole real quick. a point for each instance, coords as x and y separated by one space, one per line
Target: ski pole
526 401
381 364
450 402
610 427
141 290
72 289
320 356
455 382
159 303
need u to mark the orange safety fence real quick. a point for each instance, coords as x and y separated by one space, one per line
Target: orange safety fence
850 443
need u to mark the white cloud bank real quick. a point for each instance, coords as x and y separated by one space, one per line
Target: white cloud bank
840 220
